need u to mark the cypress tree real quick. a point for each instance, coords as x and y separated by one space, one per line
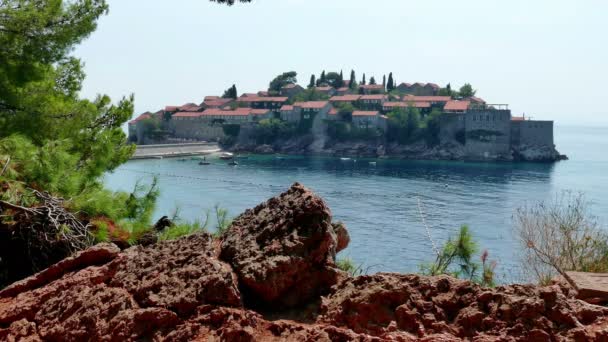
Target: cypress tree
233 92
372 80
384 81
352 79
323 79
312 81
391 82
341 80
363 80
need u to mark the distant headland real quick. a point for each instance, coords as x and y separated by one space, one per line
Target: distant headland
338 117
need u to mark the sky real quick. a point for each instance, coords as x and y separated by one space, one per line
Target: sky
545 58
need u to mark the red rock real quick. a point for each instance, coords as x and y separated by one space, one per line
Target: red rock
283 251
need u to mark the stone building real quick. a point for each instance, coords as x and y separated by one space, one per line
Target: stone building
418 89
291 90
490 132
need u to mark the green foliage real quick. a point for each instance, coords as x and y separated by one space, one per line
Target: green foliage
432 127
310 94
312 81
467 90
282 80
231 130
334 79
223 220
372 80
404 125
181 229
353 80
347 265
456 259
322 79
391 83
269 130
230 93
447 91
363 80
345 131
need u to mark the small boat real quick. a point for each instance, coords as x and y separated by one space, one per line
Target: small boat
233 163
183 160
226 156
345 159
204 163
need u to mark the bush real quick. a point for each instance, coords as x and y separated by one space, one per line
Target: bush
560 235
455 258
347 265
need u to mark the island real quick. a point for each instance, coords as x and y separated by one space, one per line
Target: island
346 118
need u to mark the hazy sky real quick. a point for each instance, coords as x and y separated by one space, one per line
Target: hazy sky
547 58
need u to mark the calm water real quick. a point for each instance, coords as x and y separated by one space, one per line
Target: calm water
379 205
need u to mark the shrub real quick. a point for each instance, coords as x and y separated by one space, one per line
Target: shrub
347 265
560 235
455 258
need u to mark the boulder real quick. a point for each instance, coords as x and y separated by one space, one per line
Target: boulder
422 306
284 250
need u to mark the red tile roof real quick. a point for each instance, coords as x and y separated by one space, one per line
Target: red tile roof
333 111
345 98
187 115
378 97
324 88
476 99
433 85
209 98
518 118
216 102
311 104
287 108
262 99
407 104
249 95
236 112
171 108
365 113
259 111
405 85
412 98
143 116
453 106
263 93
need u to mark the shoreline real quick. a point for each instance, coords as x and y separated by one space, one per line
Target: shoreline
175 150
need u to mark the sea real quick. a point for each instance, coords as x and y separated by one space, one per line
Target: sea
395 211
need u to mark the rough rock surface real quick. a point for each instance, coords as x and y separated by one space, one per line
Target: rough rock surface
418 306
184 290
284 250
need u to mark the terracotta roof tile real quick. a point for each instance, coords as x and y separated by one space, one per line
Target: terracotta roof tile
412 98
262 99
287 108
311 104
374 97
454 105
345 98
406 104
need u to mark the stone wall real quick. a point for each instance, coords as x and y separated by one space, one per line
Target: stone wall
449 125
488 134
532 133
197 129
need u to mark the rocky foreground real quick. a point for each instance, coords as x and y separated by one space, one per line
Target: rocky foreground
272 277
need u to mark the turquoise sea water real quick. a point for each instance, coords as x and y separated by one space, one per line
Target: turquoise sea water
380 204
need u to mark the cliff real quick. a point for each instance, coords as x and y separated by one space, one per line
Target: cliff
272 277
377 149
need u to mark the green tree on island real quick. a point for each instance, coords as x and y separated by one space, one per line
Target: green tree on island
282 80
391 83
312 81
353 80
467 90
363 80
230 93
372 81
